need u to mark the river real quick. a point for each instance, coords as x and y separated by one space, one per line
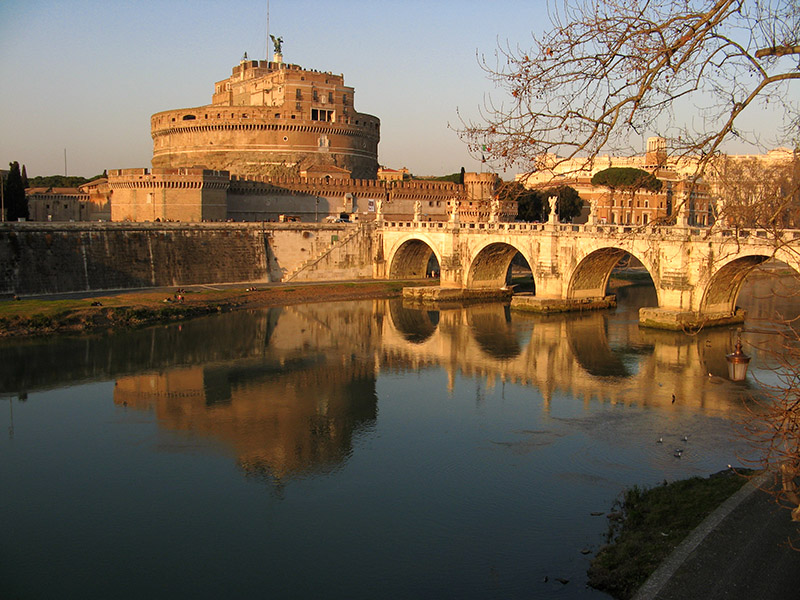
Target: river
350 450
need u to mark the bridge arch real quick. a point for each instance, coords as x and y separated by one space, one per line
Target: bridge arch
722 289
490 263
590 276
409 258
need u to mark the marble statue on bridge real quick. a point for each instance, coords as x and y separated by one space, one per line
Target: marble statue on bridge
454 204
553 201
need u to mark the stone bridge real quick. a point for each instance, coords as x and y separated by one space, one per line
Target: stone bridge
697 273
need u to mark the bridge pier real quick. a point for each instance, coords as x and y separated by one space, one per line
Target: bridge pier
687 320
530 303
434 295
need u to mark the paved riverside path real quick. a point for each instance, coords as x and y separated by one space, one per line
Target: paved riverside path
741 551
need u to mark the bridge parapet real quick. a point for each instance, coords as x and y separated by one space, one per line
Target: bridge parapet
604 230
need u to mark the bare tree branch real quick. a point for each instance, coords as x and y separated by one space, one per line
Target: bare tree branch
607 70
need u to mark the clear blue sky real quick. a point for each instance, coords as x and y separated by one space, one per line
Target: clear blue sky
86 75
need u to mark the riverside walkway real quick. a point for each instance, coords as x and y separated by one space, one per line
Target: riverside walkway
740 552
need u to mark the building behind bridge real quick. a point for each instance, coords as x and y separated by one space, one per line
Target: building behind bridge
681 188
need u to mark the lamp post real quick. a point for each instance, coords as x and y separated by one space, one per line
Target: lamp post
737 361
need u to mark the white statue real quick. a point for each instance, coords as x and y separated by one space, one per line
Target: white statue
494 215
379 208
417 210
453 204
553 201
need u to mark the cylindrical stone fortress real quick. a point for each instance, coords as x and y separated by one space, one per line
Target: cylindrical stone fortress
270 118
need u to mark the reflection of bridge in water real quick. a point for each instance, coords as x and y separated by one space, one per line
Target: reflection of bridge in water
296 402
289 390
580 355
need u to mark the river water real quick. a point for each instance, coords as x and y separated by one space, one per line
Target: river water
349 450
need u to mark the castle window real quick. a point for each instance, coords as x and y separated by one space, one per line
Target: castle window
315 95
298 94
330 97
344 99
189 117
277 115
321 115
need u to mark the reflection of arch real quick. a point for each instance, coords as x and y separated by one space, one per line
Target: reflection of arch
589 343
590 277
410 259
490 265
491 327
415 325
723 288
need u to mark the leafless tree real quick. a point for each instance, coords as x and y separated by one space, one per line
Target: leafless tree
752 194
773 423
608 71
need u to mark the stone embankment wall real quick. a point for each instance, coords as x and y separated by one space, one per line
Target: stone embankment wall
50 258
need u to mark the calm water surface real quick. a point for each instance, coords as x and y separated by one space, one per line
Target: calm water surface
347 450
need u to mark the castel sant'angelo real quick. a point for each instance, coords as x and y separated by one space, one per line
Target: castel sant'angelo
278 142
271 118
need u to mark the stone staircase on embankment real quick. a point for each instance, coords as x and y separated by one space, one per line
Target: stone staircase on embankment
317 267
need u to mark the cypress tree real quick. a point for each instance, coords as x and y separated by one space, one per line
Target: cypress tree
25 184
16 202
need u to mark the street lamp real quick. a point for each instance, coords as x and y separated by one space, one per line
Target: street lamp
737 361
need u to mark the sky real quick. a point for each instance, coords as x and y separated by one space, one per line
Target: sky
83 77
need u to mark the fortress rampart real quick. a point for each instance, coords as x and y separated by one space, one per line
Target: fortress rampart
168 194
197 195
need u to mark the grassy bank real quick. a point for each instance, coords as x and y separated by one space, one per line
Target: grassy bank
646 525
139 308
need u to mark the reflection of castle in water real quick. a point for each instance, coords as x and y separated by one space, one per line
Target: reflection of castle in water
305 385
291 406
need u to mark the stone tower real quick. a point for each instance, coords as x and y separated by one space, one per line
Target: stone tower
656 155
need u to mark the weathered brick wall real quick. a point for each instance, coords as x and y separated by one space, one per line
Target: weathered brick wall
50 258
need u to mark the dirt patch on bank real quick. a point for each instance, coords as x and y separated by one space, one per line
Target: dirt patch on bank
139 308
